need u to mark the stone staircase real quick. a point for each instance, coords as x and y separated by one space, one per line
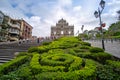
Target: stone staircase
8 49
4 59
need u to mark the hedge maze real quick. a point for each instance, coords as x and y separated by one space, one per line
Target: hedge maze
66 58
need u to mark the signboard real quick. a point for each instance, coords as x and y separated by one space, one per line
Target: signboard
1 17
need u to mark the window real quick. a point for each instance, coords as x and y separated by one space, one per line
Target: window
62 32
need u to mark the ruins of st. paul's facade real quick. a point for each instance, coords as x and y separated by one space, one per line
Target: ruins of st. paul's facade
62 29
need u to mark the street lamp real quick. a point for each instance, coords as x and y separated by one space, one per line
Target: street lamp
98 15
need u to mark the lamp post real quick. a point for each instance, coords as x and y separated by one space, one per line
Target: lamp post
98 15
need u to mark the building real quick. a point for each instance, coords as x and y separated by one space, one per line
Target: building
3 27
13 29
25 30
61 29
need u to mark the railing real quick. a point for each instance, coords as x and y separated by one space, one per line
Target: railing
14 25
105 40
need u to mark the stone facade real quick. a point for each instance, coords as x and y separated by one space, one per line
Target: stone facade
61 29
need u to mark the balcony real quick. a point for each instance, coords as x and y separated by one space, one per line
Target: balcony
13 38
13 32
14 25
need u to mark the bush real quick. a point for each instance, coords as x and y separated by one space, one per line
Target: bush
84 47
85 43
106 72
32 49
22 73
86 73
42 49
46 43
25 73
22 54
62 66
100 57
83 54
96 50
115 65
12 65
34 64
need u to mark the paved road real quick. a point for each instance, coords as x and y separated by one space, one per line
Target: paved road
112 47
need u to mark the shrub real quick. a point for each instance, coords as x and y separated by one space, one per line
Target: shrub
83 54
115 64
85 43
22 54
42 49
106 72
62 66
100 57
33 49
84 47
86 73
12 65
96 50
24 73
46 43
34 64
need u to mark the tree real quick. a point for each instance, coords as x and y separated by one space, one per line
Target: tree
118 14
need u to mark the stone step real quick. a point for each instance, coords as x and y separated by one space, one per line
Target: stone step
4 59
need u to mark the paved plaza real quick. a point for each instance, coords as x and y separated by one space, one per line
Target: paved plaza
111 46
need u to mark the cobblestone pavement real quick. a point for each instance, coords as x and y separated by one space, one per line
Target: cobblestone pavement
112 47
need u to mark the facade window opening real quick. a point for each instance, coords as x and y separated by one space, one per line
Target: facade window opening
62 32
54 32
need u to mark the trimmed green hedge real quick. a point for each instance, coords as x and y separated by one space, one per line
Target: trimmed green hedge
85 73
100 57
32 49
85 43
61 66
12 65
115 64
96 50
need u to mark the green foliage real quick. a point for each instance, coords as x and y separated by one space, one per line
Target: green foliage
23 73
85 43
46 43
113 30
96 50
32 49
84 47
34 64
100 57
116 34
61 63
115 65
42 49
106 72
66 58
12 65
86 73
22 54
64 43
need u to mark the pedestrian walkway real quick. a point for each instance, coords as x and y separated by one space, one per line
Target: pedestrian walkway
112 47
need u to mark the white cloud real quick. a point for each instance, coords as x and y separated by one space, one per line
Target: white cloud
77 8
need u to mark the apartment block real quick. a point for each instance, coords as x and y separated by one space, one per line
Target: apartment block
25 30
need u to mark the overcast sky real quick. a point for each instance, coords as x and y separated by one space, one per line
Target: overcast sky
42 14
